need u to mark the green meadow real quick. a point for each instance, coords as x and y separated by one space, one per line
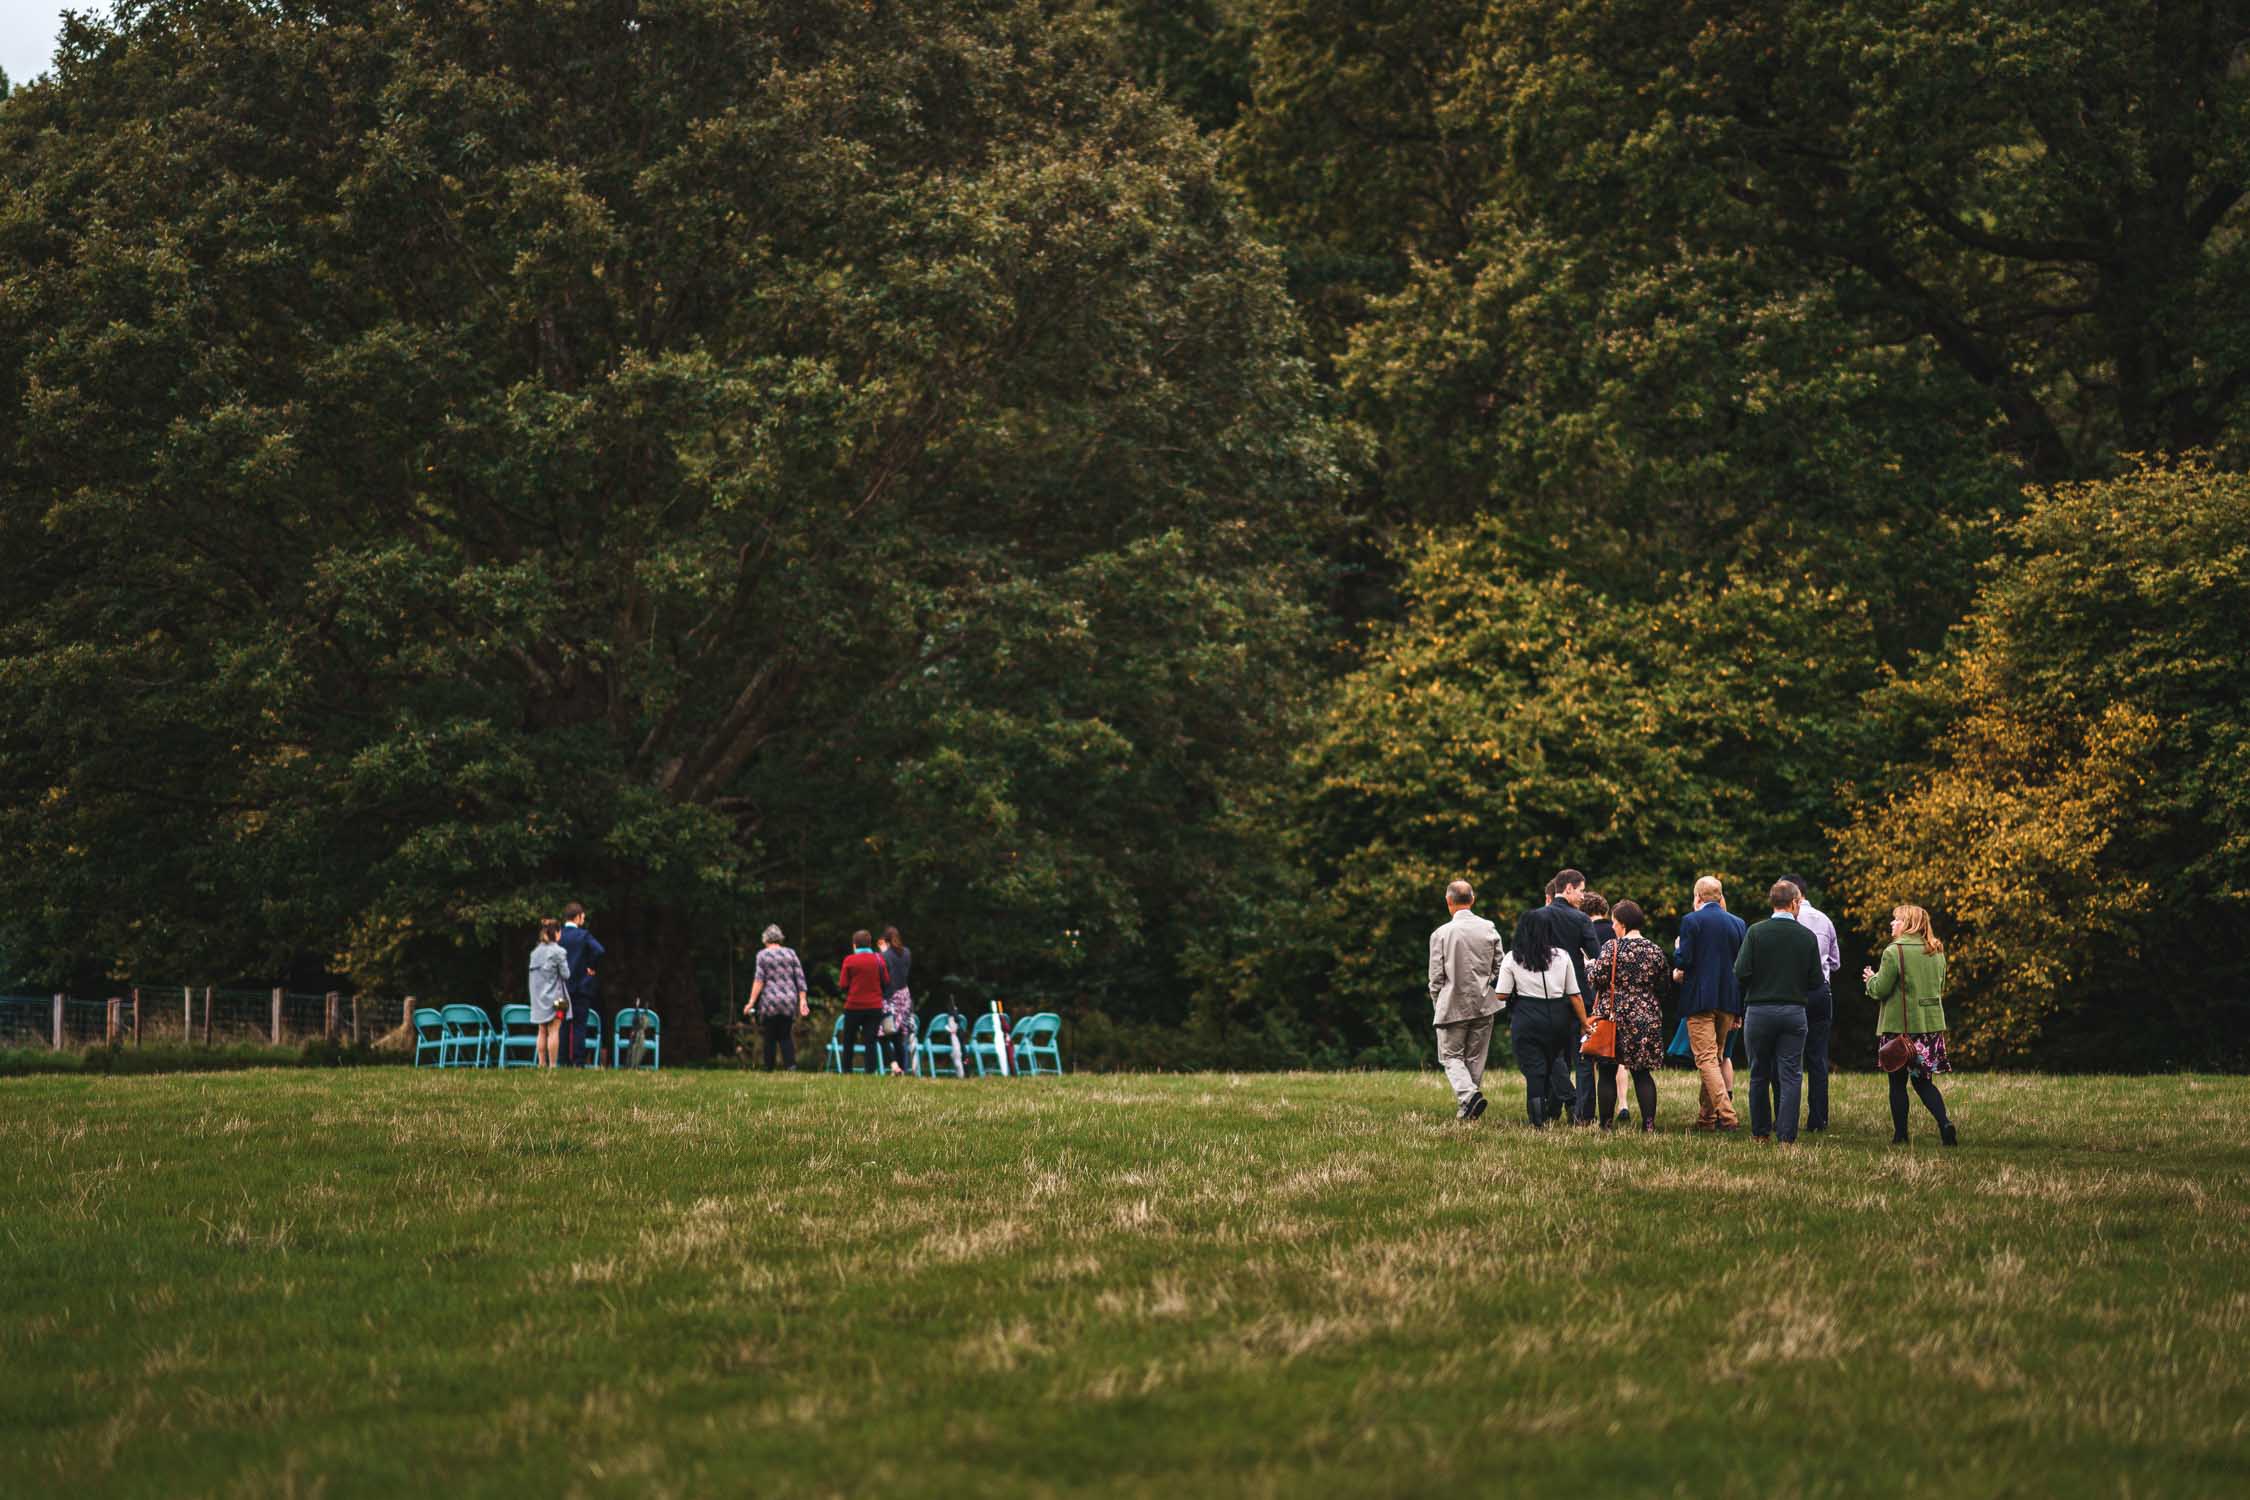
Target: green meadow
367 1282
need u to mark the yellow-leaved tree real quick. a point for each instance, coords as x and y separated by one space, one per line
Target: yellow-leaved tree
2074 802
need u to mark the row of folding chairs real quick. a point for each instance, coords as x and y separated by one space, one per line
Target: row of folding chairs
945 1051
463 1036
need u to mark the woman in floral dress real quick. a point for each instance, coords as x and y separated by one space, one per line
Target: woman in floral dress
1628 983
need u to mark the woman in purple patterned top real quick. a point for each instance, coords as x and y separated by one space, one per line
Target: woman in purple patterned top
777 994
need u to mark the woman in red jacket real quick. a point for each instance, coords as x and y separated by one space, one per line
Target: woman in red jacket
862 982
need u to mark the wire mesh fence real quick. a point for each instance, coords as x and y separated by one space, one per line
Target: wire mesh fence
26 1020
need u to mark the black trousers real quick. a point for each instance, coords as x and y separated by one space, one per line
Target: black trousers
780 1035
1820 1020
862 1024
1544 1034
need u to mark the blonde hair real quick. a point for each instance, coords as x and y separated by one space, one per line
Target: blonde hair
1709 889
1913 922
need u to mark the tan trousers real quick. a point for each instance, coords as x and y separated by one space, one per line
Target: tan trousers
1707 1033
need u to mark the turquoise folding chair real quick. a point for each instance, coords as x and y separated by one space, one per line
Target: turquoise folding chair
621 1037
468 1033
519 1039
590 1055
1033 1041
429 1036
838 1063
942 1047
984 1041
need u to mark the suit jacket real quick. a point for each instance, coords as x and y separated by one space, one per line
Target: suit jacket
1710 937
1779 963
1575 934
583 948
1464 959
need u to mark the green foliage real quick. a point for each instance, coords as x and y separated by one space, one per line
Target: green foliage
699 458
1512 724
2075 780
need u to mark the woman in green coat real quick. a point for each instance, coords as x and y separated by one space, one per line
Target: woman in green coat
1910 984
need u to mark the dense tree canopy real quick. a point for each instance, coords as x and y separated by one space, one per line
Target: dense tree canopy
1142 492
463 455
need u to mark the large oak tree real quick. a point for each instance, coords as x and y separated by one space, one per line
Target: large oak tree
708 456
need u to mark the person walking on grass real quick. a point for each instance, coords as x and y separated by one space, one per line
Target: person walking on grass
1710 997
898 1000
1910 985
1577 938
777 994
584 950
1464 964
550 992
1779 965
1545 1015
1820 1009
862 983
1628 983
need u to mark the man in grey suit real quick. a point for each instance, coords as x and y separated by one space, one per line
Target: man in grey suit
1464 961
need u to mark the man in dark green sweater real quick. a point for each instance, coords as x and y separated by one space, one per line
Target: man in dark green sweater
1779 965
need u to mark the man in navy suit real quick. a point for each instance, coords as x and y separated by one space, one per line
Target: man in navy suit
582 948
1710 995
1574 934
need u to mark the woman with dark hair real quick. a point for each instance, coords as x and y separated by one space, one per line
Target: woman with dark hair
1910 985
861 980
1628 983
1545 1005
898 1000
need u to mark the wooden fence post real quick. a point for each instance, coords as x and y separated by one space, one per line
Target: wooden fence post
355 1015
115 1019
328 1016
207 1015
406 1019
187 1015
277 1015
58 1022
137 1013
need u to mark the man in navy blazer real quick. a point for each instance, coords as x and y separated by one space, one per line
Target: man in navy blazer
1574 933
582 948
1710 995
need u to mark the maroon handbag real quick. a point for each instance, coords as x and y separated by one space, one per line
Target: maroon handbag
1897 1050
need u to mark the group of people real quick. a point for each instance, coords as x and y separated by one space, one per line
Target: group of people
563 985
1576 961
878 1001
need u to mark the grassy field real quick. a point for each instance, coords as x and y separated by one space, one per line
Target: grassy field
357 1282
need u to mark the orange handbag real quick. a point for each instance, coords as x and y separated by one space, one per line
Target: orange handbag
1600 1039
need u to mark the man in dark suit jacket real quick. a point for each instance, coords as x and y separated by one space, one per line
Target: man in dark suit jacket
1574 933
582 948
1779 965
1710 996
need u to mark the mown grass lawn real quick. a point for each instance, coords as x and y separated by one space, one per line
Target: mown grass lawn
375 1281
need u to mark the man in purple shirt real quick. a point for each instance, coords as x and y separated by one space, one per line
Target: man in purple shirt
1820 1009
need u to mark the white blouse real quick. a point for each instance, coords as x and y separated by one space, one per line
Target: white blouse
1530 984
